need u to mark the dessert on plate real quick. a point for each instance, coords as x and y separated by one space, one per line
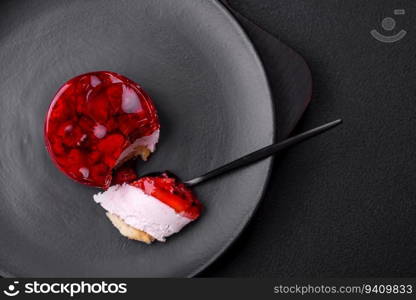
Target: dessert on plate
96 122
150 208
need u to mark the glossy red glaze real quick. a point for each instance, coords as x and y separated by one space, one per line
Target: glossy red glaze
92 119
172 192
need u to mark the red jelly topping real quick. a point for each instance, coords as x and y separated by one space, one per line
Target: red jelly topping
171 192
92 119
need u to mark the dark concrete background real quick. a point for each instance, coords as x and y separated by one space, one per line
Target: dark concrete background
342 204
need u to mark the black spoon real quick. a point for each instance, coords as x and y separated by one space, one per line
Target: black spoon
257 155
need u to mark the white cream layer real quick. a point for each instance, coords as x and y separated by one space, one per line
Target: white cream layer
148 141
141 211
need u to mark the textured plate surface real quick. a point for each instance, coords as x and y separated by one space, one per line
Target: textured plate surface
214 105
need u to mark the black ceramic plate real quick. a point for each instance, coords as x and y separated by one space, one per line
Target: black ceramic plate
214 105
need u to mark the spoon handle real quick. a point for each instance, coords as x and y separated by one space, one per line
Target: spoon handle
262 153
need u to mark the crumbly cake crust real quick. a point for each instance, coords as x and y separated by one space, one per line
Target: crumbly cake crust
129 231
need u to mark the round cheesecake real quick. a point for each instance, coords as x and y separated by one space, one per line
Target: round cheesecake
153 207
96 122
